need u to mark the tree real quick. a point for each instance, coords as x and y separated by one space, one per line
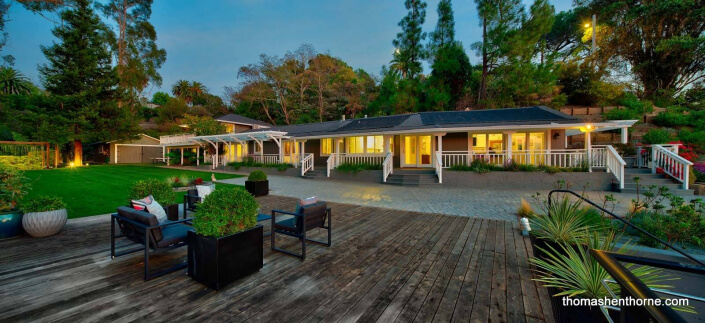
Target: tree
323 69
80 72
409 41
188 91
450 74
444 34
138 56
174 109
204 126
13 82
160 98
662 41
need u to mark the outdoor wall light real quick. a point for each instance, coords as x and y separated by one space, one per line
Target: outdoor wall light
556 136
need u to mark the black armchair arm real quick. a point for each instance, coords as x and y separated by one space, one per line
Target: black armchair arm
274 212
141 225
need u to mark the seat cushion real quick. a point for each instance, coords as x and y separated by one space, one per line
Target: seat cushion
173 234
144 218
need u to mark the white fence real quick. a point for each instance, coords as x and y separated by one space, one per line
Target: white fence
558 158
375 159
176 139
306 163
387 167
266 158
615 164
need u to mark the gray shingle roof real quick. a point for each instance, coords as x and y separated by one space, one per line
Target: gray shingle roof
536 115
236 118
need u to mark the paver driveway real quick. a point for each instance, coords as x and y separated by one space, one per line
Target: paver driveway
499 204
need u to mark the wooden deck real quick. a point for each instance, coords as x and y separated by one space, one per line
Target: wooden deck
384 265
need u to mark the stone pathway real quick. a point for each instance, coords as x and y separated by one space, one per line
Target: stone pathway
499 204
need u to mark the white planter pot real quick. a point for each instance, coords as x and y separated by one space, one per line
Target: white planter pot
44 224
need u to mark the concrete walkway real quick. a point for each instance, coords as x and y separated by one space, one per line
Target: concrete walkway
499 204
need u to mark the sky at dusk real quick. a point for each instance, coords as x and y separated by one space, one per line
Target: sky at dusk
208 41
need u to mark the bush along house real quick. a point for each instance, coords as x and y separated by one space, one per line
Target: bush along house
419 148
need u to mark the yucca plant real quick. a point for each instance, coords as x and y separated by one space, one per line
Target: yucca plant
576 274
563 221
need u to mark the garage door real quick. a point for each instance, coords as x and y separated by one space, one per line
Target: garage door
137 154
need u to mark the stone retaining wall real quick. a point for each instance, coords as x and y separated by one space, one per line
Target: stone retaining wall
528 180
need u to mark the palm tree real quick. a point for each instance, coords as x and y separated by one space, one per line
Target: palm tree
196 90
13 82
180 89
400 62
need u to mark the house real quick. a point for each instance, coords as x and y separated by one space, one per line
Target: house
144 149
428 140
233 124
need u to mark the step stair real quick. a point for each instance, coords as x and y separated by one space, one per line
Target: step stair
316 174
405 177
647 179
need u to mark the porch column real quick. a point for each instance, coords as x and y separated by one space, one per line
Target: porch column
470 147
508 148
295 147
386 144
547 155
163 155
182 156
115 153
625 135
217 152
198 156
588 147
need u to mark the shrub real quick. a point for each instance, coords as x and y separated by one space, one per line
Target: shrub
657 136
682 223
482 166
671 119
257 176
43 204
548 169
621 114
184 180
562 221
461 168
693 138
13 187
524 209
250 162
160 190
198 181
225 212
357 167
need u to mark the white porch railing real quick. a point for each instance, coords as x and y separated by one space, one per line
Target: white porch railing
306 163
438 165
376 159
615 164
331 162
266 158
176 139
672 164
598 156
293 159
387 167
558 158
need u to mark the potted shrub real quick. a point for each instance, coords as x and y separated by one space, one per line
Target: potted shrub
161 191
13 187
572 272
257 183
44 216
226 243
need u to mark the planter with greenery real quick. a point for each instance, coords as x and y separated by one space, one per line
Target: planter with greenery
160 190
44 216
227 242
13 187
257 183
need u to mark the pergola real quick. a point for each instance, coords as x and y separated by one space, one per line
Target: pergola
241 138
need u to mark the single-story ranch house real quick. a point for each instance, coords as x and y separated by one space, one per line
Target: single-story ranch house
430 141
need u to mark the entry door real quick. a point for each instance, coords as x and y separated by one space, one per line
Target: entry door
417 151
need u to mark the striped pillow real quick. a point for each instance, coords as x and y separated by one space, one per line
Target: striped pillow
140 205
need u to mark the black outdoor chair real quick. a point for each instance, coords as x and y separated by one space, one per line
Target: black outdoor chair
191 200
309 217
143 228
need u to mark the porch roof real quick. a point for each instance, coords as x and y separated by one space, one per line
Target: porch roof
242 136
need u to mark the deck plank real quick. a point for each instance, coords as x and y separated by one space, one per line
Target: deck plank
384 265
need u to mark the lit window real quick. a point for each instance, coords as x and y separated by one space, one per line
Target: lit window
479 143
326 146
375 144
356 145
496 141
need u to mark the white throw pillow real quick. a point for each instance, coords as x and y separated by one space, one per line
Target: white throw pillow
203 191
158 211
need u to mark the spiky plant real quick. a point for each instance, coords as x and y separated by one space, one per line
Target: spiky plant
13 82
563 221
577 274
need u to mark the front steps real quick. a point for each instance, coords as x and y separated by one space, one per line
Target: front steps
412 177
646 179
316 174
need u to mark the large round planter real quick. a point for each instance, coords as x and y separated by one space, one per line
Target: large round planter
10 224
44 224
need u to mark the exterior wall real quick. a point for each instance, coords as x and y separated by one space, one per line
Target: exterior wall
134 154
455 141
231 127
313 146
558 143
524 180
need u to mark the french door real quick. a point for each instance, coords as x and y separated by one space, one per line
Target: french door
417 151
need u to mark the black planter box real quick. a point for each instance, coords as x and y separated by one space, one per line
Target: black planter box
578 314
217 262
257 188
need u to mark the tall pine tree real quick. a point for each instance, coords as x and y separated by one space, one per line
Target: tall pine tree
80 73
409 41
444 34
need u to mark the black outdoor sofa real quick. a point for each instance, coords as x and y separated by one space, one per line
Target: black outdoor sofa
309 217
144 229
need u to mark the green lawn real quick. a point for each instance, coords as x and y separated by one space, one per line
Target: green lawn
100 189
